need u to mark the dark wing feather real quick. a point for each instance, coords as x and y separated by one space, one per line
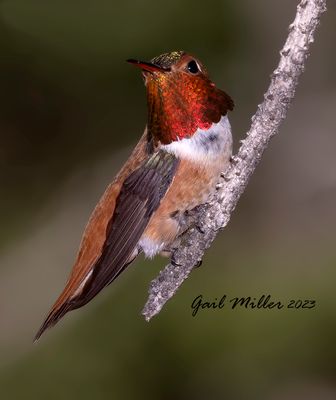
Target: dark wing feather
139 198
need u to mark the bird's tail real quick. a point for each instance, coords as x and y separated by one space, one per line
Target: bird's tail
53 317
64 303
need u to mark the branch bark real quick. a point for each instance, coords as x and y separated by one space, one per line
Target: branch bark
188 250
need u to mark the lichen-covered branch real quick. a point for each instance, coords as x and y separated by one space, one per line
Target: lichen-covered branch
189 249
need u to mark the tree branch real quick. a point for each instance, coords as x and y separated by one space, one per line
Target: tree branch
188 250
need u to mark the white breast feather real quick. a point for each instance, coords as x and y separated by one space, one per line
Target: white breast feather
204 145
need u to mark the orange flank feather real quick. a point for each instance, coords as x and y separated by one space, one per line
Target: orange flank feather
163 228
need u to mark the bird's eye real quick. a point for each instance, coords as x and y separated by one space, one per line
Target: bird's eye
193 67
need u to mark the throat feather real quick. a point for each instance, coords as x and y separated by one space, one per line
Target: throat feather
179 106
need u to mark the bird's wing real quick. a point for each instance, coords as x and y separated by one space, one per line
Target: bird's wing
139 197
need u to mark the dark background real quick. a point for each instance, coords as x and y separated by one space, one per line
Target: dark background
70 111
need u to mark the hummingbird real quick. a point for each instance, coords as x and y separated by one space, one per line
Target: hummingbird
175 167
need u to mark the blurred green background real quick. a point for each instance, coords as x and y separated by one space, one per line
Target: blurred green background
70 111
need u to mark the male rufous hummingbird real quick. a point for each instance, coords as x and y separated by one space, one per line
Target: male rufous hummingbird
175 166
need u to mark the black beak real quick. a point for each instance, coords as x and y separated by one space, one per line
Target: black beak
147 66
